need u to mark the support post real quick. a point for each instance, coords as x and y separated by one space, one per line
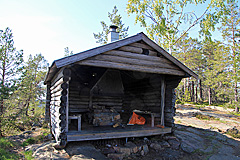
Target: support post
48 100
163 87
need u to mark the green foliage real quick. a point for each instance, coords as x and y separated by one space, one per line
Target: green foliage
28 155
230 27
10 66
67 52
5 150
163 19
115 19
25 106
34 140
233 132
206 117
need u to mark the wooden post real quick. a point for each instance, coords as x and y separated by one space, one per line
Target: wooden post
163 86
48 100
64 107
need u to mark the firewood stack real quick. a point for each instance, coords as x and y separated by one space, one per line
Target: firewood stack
105 117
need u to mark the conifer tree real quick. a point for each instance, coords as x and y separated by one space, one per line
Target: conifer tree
10 65
230 28
115 19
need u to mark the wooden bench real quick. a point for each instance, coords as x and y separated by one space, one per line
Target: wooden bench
79 118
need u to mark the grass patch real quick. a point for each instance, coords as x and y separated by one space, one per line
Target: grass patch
233 132
28 155
235 113
5 150
33 140
205 117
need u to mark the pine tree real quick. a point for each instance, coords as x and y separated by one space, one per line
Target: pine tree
26 100
10 65
115 19
230 28
67 52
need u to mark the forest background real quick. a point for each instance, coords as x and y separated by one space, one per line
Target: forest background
216 61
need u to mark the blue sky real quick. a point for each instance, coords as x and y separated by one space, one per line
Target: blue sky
48 26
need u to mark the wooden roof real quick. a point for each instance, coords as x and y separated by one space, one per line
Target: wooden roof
126 54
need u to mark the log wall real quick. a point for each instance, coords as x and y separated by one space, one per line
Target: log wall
135 58
79 93
59 105
170 97
48 100
141 92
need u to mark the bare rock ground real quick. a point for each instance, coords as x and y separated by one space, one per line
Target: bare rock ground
193 139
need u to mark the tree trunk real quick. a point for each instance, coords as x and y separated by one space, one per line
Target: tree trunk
209 96
196 95
200 90
192 95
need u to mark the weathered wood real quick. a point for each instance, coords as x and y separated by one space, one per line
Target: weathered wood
96 51
163 86
137 56
56 94
138 68
57 77
56 90
67 73
107 103
91 91
56 84
78 98
78 110
78 102
141 45
124 133
131 49
168 56
132 61
137 50
48 100
56 98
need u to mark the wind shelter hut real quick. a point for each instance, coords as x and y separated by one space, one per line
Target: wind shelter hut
92 95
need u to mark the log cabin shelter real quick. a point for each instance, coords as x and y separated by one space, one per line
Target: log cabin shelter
92 95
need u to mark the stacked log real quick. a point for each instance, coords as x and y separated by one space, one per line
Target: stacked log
48 100
169 111
58 105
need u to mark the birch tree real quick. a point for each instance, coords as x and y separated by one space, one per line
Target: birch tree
163 19
230 28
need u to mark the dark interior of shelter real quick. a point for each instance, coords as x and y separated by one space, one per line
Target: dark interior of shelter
107 97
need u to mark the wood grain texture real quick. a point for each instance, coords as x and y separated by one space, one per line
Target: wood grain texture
134 61
137 56
138 68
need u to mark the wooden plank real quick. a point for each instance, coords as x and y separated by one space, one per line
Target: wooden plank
133 61
137 50
131 49
57 84
57 89
141 45
138 68
88 135
137 56
163 86
57 77
168 56
95 51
